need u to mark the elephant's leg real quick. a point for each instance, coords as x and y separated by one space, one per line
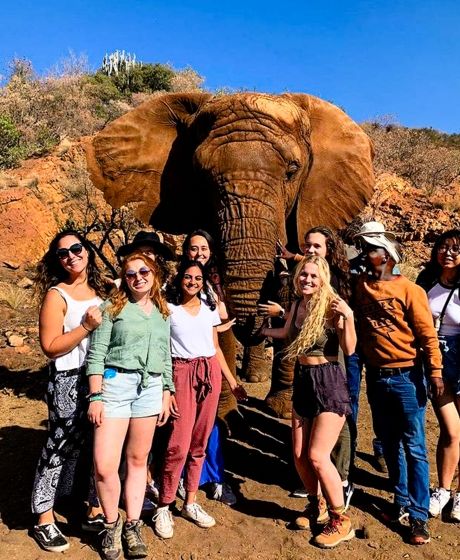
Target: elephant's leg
256 367
279 397
227 402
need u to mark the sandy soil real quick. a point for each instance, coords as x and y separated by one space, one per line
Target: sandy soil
258 527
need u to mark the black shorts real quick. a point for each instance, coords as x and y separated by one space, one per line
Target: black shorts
320 388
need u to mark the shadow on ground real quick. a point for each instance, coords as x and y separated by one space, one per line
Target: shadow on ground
30 383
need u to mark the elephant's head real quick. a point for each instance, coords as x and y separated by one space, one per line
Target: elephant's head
242 166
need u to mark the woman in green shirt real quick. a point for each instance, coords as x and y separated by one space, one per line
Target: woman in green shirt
129 364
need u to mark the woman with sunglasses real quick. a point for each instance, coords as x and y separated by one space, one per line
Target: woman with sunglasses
70 289
129 369
198 365
441 280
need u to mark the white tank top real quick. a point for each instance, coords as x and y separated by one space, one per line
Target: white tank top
73 316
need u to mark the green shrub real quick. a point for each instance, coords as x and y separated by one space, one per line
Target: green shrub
145 78
10 143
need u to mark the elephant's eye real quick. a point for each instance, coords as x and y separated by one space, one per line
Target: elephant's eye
292 169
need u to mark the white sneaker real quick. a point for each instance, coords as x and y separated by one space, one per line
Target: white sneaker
195 513
455 513
163 523
439 498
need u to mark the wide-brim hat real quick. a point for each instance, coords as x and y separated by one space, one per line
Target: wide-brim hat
149 238
374 228
373 233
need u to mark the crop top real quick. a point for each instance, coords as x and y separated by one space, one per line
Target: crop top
326 345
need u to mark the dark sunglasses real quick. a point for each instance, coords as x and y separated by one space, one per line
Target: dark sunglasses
75 249
131 274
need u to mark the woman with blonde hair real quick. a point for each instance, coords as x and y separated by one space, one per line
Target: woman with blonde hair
129 364
318 322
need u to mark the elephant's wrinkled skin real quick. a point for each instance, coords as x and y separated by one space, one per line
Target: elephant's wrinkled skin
241 166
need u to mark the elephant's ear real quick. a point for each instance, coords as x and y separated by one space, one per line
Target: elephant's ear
341 179
145 157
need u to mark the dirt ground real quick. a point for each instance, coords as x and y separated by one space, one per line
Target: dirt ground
258 463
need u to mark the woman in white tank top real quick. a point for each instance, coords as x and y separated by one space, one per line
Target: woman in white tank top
70 289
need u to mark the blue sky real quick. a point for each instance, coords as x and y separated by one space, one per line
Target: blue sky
372 58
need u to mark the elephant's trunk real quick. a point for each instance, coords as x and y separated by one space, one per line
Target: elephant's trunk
249 246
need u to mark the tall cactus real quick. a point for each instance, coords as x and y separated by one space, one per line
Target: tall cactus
119 62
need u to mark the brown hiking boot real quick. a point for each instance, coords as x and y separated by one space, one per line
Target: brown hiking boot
336 530
315 513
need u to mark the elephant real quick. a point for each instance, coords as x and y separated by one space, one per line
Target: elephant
251 168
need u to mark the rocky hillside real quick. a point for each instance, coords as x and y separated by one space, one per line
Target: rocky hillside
47 193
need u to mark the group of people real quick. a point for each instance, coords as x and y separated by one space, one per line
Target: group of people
127 356
143 351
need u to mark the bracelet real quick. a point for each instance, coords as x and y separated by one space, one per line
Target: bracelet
282 313
95 394
95 398
86 328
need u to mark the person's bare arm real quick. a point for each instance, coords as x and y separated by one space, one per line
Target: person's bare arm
281 332
238 390
345 325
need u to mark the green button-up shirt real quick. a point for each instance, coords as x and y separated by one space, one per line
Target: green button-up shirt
134 341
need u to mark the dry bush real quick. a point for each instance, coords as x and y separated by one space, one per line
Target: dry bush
38 112
410 269
414 155
186 80
44 110
449 202
14 296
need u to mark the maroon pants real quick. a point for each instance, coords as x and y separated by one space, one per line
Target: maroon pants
198 383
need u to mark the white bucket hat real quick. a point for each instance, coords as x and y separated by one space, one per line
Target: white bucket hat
373 233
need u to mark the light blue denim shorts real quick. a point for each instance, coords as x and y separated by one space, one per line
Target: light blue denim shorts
124 396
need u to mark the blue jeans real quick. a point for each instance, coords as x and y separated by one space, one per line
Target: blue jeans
400 404
354 368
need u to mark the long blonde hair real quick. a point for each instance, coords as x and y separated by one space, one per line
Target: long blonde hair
318 306
121 296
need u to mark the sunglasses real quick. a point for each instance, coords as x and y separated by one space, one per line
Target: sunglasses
75 249
143 272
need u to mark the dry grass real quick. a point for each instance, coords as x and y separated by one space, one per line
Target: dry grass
13 296
409 270
448 204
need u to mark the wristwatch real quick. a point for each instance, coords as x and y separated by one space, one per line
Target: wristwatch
281 313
